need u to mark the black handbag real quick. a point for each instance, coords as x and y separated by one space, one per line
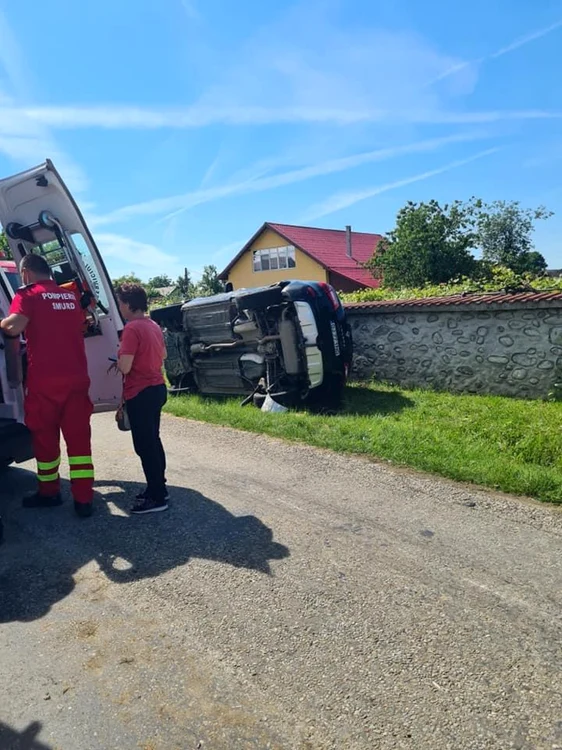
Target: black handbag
122 418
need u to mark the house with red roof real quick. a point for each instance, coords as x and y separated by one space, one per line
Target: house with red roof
282 251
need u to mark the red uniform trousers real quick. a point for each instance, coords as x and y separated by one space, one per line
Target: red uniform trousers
49 409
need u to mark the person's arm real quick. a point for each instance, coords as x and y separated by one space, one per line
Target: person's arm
14 325
125 363
18 316
127 350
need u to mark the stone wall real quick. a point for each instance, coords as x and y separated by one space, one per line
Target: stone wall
508 349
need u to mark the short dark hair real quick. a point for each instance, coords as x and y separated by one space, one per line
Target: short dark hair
133 295
36 264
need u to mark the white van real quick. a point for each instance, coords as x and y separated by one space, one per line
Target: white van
39 215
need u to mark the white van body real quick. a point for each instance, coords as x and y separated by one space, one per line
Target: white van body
39 215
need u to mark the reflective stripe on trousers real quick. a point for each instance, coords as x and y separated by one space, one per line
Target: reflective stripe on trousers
48 476
47 414
81 477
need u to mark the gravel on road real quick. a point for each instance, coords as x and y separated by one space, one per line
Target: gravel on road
291 599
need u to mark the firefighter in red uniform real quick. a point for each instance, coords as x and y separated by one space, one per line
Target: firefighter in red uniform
57 384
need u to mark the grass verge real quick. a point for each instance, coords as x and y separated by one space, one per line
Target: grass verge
507 444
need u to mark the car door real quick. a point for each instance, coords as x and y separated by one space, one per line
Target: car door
40 215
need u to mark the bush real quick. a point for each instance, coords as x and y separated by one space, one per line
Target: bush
497 280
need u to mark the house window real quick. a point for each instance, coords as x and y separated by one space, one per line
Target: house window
274 258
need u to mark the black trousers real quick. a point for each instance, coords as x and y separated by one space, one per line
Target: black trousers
144 413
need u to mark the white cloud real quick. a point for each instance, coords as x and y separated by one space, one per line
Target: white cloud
119 117
326 65
178 203
490 116
123 254
116 117
520 42
211 170
226 252
324 73
340 201
24 139
456 68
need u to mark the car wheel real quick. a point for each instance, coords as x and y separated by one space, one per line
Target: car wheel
257 300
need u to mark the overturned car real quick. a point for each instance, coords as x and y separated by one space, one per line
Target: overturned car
290 341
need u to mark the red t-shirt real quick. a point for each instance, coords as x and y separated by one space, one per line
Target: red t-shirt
143 339
56 352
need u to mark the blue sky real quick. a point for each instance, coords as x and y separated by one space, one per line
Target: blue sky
181 126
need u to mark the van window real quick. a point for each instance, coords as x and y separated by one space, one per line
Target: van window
56 258
94 275
62 272
14 279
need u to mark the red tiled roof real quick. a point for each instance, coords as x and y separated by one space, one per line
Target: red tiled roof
464 299
328 247
360 275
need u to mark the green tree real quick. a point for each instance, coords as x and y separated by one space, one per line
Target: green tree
429 244
162 280
533 262
130 278
210 282
505 235
185 285
5 251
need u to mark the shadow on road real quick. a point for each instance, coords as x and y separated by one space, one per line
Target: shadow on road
10 739
43 549
366 401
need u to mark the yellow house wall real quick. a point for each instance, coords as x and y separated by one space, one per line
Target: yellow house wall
242 274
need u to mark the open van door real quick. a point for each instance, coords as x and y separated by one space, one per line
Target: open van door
15 440
39 215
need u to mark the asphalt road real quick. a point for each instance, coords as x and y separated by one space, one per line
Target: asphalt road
290 599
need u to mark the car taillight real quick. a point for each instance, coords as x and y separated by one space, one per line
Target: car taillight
330 292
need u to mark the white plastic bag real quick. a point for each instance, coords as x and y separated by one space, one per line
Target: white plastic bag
270 405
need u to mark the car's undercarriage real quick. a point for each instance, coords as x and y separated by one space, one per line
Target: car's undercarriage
242 346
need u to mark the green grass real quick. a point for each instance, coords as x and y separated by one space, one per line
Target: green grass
507 444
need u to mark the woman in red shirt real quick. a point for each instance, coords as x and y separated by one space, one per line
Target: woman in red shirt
141 358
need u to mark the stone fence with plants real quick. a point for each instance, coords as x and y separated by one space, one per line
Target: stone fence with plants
502 344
